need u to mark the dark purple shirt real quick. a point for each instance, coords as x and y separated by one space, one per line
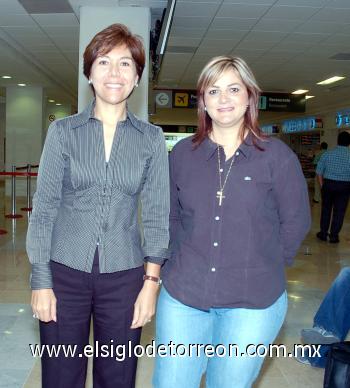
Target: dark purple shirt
234 255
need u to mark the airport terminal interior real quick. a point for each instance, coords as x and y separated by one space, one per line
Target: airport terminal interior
291 45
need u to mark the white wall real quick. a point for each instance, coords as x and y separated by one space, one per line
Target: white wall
95 19
2 134
57 111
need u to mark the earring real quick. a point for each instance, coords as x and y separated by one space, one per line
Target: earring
136 85
205 108
89 82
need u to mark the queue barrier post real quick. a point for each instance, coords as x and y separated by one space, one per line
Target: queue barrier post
29 189
13 196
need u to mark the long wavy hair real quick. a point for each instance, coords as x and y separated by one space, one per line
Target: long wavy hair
209 75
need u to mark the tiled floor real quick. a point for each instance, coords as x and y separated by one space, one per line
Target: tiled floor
316 265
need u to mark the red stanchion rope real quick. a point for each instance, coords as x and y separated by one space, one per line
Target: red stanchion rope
20 174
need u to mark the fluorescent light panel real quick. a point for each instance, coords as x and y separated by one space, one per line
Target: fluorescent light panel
330 80
300 91
166 29
308 97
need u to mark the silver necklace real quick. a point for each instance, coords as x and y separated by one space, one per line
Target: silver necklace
220 193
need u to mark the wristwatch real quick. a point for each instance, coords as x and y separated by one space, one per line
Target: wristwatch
153 279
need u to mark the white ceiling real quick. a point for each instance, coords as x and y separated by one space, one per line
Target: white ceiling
288 43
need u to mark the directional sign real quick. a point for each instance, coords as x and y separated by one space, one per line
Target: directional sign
163 98
282 102
181 100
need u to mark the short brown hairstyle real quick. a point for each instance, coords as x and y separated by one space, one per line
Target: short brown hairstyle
113 36
209 75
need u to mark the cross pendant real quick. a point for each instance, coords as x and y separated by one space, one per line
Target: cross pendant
220 196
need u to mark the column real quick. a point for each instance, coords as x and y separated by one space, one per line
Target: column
24 130
2 132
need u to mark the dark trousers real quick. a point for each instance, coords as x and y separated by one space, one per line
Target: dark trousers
335 198
109 299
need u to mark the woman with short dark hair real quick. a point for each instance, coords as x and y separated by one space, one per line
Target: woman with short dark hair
83 238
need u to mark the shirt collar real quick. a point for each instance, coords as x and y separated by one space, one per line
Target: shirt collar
245 148
83 118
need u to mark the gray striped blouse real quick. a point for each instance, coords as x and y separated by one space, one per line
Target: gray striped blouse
81 201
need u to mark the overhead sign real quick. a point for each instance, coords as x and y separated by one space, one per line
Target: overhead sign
282 102
270 128
175 98
342 119
301 125
181 100
164 98
274 102
185 99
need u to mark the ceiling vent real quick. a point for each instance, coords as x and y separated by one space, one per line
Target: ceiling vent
181 49
341 57
47 6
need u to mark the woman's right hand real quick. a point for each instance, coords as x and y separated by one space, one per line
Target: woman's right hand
44 305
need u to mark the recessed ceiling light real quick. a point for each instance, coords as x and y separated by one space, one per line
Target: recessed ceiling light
6 76
330 80
300 91
51 100
307 97
58 104
22 84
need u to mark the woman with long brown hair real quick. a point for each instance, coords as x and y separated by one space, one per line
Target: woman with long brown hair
239 211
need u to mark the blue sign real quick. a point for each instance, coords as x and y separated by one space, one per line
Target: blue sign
270 129
342 119
301 125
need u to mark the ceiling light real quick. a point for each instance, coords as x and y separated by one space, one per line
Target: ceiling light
58 104
330 80
307 97
300 91
21 84
51 100
6 76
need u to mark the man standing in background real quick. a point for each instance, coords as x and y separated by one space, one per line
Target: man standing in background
317 191
333 171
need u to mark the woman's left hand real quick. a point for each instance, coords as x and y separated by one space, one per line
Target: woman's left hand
145 305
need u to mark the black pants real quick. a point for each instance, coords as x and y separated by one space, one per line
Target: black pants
109 299
335 198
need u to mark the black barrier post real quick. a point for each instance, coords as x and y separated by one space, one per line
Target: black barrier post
29 189
13 196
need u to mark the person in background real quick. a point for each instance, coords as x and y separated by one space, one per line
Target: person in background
331 322
83 238
239 211
333 171
317 190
